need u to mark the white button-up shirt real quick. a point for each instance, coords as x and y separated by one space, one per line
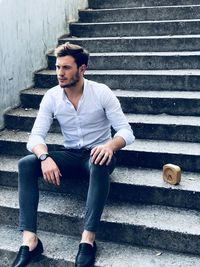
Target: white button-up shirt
86 126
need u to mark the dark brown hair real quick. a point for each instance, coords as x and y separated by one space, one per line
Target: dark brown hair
80 55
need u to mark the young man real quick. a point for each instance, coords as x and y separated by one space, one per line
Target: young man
85 111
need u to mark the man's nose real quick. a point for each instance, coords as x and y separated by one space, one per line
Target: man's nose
60 72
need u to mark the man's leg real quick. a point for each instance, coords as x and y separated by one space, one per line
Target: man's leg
98 190
29 170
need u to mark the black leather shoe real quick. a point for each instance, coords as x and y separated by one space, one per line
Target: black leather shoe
86 255
25 256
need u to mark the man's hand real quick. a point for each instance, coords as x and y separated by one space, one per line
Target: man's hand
102 154
50 171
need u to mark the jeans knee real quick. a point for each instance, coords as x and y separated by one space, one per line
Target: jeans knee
97 167
27 163
104 168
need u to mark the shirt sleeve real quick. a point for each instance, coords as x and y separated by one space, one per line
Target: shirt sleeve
42 123
116 116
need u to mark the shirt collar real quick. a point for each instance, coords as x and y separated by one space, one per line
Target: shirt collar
65 98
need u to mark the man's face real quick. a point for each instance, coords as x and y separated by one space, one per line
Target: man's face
68 73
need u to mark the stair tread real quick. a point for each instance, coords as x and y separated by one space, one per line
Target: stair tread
162 119
154 146
134 22
63 247
130 54
135 93
129 176
178 219
67 38
131 3
160 94
138 8
177 72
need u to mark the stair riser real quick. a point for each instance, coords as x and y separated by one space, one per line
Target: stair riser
121 192
148 82
7 257
26 124
117 232
173 106
135 29
141 130
133 82
30 101
157 160
148 14
19 148
151 237
138 3
137 45
127 158
138 62
166 132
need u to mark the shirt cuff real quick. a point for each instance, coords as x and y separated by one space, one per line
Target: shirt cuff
33 141
127 135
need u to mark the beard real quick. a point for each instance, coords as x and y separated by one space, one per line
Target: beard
72 82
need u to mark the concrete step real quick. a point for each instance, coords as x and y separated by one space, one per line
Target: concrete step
135 224
23 119
137 44
140 14
165 127
154 102
31 98
143 153
133 185
162 127
135 28
139 61
60 250
143 102
156 80
139 3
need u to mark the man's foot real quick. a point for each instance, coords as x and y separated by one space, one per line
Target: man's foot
25 256
86 255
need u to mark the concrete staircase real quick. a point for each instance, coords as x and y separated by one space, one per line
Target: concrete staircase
148 52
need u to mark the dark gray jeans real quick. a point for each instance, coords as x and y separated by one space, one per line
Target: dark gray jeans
68 161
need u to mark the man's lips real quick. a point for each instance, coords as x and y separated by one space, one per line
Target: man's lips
62 80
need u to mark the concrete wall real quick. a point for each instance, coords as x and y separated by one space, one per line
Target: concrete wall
28 28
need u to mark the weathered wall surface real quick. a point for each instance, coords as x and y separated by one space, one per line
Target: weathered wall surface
28 29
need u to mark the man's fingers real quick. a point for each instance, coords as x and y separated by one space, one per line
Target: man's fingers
52 177
109 160
95 155
106 158
57 178
101 155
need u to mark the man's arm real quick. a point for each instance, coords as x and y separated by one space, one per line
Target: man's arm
36 143
124 135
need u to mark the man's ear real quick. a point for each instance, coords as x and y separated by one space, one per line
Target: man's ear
83 68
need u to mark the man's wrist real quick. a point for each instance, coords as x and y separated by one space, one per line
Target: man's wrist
43 156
